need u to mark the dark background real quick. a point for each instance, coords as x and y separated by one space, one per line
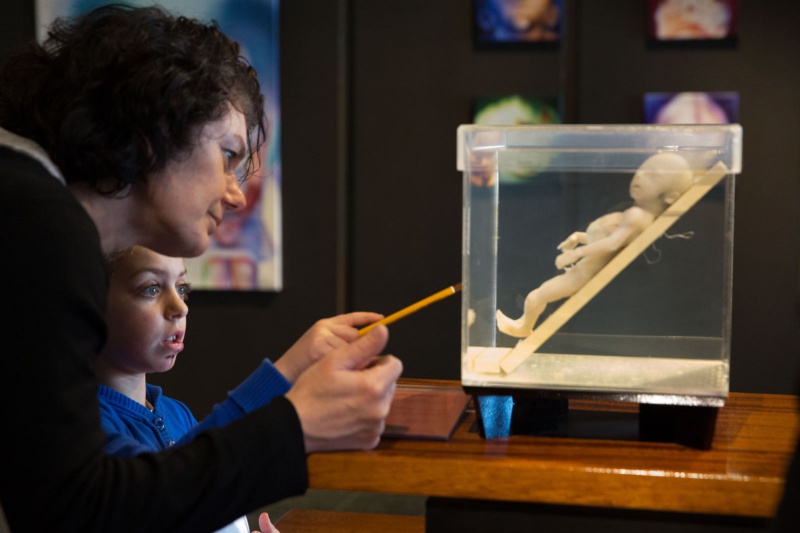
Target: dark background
372 93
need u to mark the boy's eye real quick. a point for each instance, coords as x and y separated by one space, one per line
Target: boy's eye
184 289
151 290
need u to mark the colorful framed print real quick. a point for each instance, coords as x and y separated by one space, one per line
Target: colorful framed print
691 108
246 251
516 109
692 22
513 110
517 23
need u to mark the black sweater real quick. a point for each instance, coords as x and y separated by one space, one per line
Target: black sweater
53 472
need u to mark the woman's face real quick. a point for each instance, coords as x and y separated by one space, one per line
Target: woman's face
183 204
146 312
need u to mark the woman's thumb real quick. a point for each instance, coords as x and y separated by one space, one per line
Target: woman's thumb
360 353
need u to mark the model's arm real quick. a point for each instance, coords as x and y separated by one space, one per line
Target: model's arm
579 237
634 220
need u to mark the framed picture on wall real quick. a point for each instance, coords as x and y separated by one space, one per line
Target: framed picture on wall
691 22
517 23
691 108
246 251
514 110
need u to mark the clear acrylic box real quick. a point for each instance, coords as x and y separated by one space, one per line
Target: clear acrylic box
644 315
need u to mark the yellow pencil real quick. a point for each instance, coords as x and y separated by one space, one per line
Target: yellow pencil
413 308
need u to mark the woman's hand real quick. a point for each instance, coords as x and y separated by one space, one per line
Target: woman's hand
343 400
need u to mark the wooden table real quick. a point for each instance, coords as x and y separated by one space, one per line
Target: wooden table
741 475
314 521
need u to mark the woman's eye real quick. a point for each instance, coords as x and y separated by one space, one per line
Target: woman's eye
230 158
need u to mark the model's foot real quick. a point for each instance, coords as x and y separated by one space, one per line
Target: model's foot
515 328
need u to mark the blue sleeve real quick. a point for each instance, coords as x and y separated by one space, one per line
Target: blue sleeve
259 389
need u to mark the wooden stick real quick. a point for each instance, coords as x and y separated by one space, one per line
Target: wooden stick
524 348
413 308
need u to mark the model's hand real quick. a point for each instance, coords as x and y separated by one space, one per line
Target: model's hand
343 400
323 337
265 525
572 241
570 257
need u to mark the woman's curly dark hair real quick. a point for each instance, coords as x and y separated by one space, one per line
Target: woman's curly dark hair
114 95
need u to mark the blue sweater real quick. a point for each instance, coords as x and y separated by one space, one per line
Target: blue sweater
132 429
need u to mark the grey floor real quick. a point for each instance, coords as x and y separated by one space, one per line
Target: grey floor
331 500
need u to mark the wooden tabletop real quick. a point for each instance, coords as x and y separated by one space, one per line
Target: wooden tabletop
742 474
313 521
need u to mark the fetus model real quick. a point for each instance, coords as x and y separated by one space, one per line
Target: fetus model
657 183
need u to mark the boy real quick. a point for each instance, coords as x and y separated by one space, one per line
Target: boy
146 316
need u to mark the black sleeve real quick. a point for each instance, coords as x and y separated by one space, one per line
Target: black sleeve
54 473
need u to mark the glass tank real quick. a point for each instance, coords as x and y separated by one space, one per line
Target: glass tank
597 259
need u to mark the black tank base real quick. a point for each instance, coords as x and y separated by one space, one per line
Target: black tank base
503 413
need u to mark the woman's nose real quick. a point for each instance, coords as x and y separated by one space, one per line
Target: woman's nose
234 199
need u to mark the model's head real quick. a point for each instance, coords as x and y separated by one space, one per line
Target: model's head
661 179
115 95
146 311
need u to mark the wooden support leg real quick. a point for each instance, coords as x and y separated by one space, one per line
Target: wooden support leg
532 415
691 426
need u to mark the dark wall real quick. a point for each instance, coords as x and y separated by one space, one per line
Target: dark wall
415 75
372 93
16 25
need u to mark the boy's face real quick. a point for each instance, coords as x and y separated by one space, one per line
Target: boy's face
146 312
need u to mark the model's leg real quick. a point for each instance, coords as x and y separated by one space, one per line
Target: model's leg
552 290
522 326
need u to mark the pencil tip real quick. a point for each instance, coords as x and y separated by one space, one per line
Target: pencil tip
457 287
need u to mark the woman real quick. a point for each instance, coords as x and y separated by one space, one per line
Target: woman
126 127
